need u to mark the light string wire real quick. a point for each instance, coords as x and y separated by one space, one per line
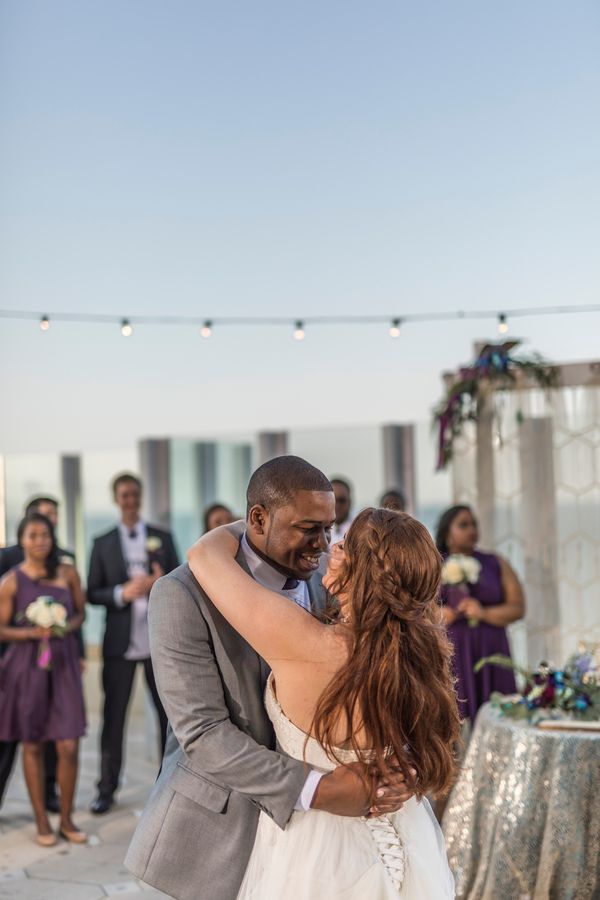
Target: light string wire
395 321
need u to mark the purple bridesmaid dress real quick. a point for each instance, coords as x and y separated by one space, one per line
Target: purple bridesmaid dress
473 643
39 705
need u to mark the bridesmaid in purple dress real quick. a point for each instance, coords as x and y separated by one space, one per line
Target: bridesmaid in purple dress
477 622
42 704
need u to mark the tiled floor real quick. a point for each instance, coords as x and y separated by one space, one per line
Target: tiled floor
68 872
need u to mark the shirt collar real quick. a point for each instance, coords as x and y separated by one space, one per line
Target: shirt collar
139 527
260 569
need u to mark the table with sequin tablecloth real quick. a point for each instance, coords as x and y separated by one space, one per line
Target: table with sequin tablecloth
523 821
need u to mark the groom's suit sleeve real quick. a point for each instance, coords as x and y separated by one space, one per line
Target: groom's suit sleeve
190 687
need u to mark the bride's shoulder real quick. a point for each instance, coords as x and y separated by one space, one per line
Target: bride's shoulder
336 639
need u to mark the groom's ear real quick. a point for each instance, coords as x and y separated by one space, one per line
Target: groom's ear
257 519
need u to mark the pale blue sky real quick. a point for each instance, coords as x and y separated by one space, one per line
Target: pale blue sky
284 158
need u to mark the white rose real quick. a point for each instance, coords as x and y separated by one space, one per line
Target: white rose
452 572
44 617
37 610
60 614
472 569
31 611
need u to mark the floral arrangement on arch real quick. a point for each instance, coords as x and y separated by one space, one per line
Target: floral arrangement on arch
572 692
495 367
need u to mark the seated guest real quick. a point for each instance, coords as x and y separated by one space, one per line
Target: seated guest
217 514
42 701
393 499
124 565
9 558
476 615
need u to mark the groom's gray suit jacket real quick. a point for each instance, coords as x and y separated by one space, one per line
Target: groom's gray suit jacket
220 769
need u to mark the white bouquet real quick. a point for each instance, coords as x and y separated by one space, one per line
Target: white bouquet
459 571
46 612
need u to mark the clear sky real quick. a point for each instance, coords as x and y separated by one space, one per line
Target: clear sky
290 159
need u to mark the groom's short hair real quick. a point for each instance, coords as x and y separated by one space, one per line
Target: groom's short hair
276 481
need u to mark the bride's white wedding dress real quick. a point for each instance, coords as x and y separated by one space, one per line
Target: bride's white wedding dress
324 857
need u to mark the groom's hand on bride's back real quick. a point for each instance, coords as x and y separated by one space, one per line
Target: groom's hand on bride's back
348 791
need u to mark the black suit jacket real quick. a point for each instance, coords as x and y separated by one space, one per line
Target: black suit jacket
107 570
13 556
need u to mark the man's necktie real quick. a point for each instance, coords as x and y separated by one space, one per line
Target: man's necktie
291 584
133 534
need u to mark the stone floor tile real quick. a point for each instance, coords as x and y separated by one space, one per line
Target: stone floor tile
121 888
12 875
38 889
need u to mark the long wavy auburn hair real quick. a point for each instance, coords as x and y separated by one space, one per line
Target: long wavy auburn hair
396 686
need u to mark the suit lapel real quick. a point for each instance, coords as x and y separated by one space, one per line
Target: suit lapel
243 657
115 552
264 668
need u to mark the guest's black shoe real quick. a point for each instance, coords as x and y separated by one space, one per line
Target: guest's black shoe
52 802
101 804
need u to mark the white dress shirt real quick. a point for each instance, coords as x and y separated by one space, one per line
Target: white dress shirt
135 554
338 532
270 578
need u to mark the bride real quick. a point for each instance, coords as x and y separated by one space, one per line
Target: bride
374 686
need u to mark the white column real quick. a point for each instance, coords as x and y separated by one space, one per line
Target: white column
484 470
399 462
154 468
271 444
540 541
71 520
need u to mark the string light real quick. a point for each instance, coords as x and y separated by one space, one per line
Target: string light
299 333
395 325
502 324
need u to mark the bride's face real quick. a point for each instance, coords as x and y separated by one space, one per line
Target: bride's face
335 565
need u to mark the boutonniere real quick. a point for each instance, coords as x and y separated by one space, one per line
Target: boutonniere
153 544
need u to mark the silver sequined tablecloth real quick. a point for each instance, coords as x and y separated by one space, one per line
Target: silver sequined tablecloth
523 821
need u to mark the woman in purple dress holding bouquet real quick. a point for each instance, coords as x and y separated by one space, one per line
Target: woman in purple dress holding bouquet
41 696
481 595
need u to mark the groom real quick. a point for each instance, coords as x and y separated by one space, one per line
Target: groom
220 768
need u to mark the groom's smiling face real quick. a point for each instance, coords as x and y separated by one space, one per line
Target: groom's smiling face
293 537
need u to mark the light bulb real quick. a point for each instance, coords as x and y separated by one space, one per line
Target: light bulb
126 329
502 324
206 329
395 328
299 333
44 323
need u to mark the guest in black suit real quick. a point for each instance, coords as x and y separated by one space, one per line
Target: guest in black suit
124 565
9 558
